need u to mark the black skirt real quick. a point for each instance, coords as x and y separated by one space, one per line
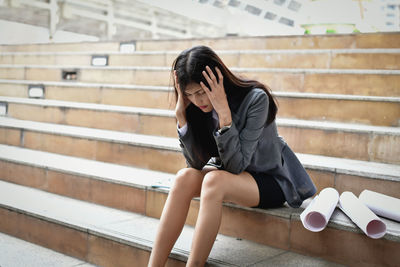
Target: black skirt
271 194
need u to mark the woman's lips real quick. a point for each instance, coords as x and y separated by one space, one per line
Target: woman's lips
203 107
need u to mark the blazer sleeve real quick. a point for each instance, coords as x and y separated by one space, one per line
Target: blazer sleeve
236 148
194 154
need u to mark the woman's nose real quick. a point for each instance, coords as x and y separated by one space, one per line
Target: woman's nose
197 98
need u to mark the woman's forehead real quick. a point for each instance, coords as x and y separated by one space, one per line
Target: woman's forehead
192 88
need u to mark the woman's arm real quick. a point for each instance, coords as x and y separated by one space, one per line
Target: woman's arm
236 148
194 154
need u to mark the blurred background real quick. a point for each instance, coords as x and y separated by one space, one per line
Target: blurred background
43 21
88 140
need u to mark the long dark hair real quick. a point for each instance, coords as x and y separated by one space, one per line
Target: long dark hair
190 64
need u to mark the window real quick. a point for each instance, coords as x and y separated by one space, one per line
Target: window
253 10
279 2
234 3
270 16
295 6
286 21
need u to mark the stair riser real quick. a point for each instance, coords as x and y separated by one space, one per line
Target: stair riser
150 202
133 123
337 245
363 112
359 146
121 97
255 226
324 60
75 186
352 111
73 242
106 252
274 231
320 61
120 153
379 40
281 42
358 84
334 143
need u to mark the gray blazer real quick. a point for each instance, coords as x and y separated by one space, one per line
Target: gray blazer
250 145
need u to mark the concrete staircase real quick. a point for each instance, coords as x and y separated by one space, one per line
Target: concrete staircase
85 170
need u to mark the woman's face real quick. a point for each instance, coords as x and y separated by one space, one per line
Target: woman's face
195 93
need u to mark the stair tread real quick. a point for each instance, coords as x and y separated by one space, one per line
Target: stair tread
115 173
90 106
326 125
169 89
125 227
234 69
19 253
88 84
84 132
146 179
236 51
340 165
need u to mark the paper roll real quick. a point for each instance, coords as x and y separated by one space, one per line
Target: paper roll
361 215
381 204
316 216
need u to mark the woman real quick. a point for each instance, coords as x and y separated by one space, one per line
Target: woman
228 135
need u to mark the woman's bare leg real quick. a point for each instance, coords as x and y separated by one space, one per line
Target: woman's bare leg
219 186
187 185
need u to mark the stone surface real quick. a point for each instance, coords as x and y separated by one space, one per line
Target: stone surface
290 259
16 252
108 230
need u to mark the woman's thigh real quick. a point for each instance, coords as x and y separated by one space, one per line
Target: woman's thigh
240 189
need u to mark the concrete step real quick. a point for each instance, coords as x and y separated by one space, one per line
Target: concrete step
143 151
162 97
382 111
353 141
19 253
336 41
119 118
86 231
115 94
127 188
332 81
316 58
108 237
153 152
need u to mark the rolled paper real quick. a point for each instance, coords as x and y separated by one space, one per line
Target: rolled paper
382 205
317 214
361 215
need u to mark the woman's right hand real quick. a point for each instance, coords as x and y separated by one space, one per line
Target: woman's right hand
181 104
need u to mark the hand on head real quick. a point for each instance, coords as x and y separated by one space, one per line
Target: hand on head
181 104
217 95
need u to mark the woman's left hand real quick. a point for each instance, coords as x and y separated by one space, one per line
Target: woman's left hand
217 95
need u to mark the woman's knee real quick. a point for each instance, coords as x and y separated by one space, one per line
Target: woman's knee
187 181
213 185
